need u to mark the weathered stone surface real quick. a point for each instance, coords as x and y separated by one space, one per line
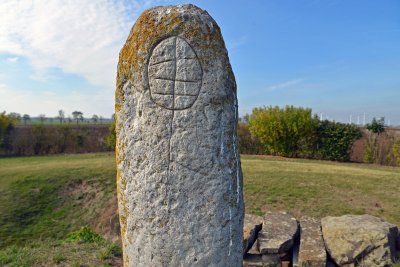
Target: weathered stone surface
252 260
178 169
266 260
271 260
312 248
254 249
252 225
362 240
277 234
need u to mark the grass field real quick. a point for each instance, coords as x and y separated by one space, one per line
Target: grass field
320 188
44 199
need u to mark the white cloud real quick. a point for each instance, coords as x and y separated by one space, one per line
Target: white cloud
78 36
12 59
284 85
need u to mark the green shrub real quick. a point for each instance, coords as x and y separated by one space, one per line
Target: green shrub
111 138
84 235
369 150
295 132
7 123
396 152
334 140
285 131
111 250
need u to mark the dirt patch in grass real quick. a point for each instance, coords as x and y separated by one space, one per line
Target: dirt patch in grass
108 222
52 196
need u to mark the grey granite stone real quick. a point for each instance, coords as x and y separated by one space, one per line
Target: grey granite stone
278 233
178 168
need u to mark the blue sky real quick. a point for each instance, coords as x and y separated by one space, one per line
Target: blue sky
340 58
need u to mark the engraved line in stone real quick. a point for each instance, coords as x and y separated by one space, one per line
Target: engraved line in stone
173 103
177 94
172 77
175 80
172 59
157 63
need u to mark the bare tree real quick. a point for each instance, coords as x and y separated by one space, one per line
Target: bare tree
61 116
78 116
95 118
42 118
26 118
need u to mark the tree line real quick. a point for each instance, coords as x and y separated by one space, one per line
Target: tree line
289 131
42 139
295 132
75 117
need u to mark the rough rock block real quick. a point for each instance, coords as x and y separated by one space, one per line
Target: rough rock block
362 240
252 225
312 248
277 234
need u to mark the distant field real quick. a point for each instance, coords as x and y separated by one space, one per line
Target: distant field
43 199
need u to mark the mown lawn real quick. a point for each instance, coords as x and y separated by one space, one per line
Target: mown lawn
43 199
320 188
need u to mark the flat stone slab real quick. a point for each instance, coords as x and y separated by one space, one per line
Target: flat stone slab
278 233
312 248
252 225
360 239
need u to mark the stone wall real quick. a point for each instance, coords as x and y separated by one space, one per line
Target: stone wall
278 239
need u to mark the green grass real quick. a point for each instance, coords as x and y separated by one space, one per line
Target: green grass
44 201
48 197
55 253
320 188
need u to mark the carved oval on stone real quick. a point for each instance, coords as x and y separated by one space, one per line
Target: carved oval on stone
175 74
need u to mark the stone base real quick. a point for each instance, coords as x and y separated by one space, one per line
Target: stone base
266 260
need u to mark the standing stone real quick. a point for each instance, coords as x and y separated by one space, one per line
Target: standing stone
178 168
